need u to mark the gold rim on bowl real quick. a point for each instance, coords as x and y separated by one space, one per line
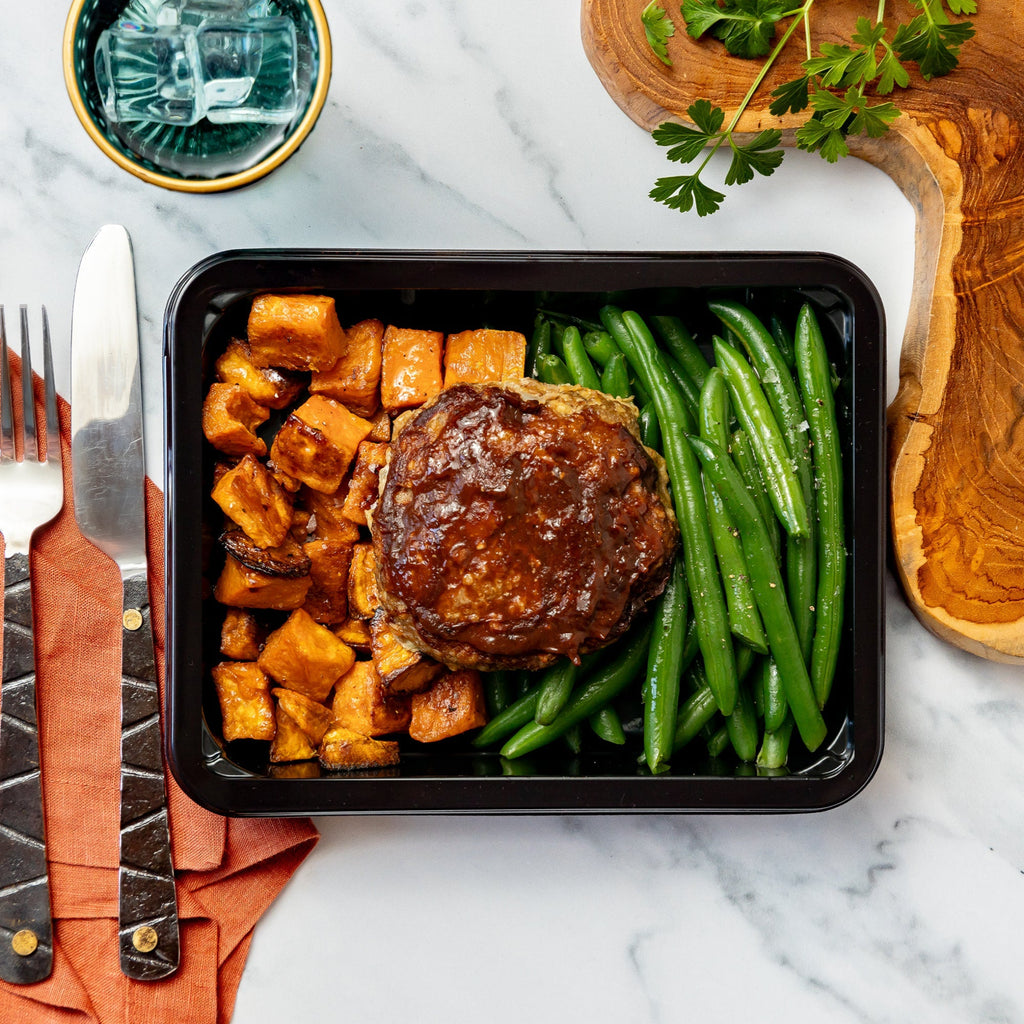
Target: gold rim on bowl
229 181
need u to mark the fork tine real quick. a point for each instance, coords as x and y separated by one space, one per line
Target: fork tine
30 438
6 396
50 388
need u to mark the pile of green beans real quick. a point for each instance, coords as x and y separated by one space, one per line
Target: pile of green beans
740 649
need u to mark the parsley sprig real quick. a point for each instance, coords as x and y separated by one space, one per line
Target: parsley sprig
840 86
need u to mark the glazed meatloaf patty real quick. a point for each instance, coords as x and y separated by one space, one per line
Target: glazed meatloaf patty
518 522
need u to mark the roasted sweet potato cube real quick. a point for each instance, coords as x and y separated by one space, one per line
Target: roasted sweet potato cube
295 332
242 587
329 516
380 426
354 632
477 357
249 495
264 385
344 749
410 367
231 418
312 717
327 600
363 601
354 380
290 742
363 484
318 442
453 705
401 669
362 703
240 635
243 690
305 656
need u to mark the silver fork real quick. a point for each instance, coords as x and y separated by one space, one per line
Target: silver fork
31 494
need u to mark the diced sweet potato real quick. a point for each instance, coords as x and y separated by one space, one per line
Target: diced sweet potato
453 705
329 515
477 357
354 380
327 600
344 749
305 656
402 670
410 367
290 742
380 426
318 442
242 587
363 484
354 632
230 420
362 703
312 717
240 635
266 386
363 600
250 496
295 332
243 690
287 559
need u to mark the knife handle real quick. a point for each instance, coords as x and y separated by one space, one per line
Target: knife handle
147 901
26 928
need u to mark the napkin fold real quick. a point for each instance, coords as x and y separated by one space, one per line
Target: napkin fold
228 870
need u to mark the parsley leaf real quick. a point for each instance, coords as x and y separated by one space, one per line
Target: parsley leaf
745 27
790 97
686 193
659 28
761 155
932 44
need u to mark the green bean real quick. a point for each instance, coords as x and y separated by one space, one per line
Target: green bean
744 620
694 714
756 418
641 396
508 721
719 741
813 371
576 359
552 370
540 345
562 318
556 685
664 661
783 339
774 695
679 342
768 590
684 382
607 725
743 456
497 688
705 584
742 726
783 396
605 684
599 346
650 429
774 752
557 333
615 377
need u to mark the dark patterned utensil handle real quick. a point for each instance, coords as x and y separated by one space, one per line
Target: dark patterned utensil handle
148 906
26 930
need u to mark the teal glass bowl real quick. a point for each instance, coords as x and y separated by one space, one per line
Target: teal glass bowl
203 157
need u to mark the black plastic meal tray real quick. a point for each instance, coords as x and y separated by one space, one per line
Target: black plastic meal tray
455 291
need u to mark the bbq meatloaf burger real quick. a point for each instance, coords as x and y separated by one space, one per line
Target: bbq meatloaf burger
518 522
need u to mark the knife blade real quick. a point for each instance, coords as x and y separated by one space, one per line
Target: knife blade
108 481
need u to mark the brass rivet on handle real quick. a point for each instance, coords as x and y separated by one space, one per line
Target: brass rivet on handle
132 619
24 942
144 939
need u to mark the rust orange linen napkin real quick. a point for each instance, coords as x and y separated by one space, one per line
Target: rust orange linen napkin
228 871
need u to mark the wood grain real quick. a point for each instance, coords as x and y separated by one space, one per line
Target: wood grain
956 432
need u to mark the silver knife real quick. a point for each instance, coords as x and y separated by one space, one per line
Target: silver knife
108 474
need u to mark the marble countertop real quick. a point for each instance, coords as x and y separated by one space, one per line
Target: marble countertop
455 124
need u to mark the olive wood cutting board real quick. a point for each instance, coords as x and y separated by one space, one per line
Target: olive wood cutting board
956 425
